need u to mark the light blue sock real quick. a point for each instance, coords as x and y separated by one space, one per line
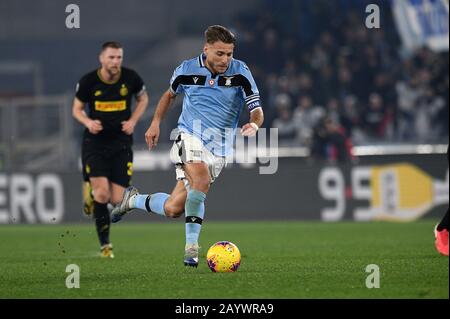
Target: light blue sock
153 203
194 211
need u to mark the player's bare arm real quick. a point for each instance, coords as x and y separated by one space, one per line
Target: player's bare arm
256 120
141 106
94 126
152 134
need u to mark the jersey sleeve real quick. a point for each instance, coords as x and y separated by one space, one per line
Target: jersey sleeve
139 86
250 89
175 81
82 90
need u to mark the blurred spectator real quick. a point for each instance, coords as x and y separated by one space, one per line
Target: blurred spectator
375 119
407 95
333 110
331 142
349 118
306 117
428 108
287 129
269 54
325 84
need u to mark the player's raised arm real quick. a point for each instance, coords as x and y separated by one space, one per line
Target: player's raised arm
152 134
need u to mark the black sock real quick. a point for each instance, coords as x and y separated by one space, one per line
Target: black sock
102 222
444 222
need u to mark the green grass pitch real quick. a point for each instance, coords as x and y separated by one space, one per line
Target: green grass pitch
279 260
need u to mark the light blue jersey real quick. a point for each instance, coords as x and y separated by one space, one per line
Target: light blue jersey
212 103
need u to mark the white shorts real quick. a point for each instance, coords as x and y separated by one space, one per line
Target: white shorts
188 148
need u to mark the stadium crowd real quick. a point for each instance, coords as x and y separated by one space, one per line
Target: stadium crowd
328 82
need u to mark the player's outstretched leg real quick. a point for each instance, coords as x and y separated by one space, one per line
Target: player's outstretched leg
131 199
124 206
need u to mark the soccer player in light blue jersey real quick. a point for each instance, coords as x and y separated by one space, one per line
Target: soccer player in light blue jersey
216 88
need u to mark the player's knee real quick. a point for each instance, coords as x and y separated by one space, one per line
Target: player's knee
174 210
102 195
202 184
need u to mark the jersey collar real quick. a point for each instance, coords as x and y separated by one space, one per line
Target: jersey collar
108 82
201 57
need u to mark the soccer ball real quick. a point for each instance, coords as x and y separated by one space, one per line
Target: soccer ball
223 256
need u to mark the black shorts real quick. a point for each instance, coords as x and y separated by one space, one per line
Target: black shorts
114 163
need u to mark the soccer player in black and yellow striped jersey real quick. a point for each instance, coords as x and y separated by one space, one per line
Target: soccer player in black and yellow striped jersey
107 157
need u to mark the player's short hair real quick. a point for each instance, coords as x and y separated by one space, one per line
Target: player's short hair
216 33
111 44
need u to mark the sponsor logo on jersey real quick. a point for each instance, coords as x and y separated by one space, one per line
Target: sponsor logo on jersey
110 106
98 93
